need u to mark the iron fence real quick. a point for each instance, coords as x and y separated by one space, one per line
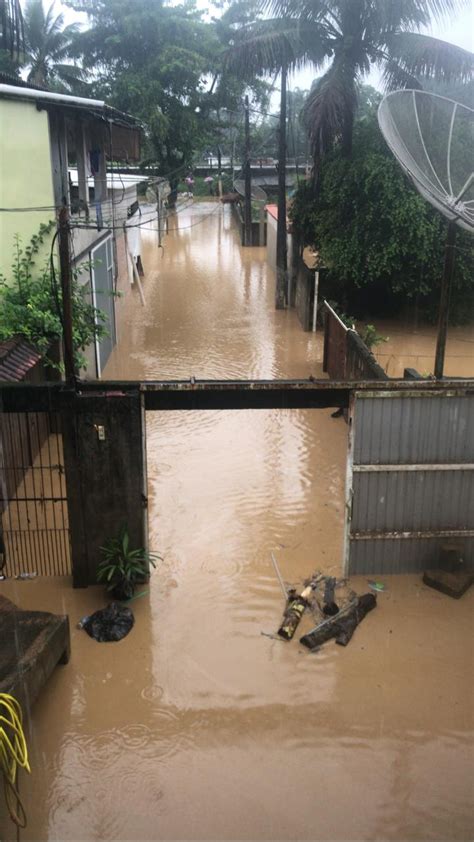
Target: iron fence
34 512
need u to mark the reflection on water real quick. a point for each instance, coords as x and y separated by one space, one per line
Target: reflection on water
196 726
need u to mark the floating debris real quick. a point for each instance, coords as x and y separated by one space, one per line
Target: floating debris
111 623
340 627
293 613
375 586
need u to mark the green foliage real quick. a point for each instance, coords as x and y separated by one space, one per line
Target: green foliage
121 564
31 303
370 337
382 243
48 45
163 63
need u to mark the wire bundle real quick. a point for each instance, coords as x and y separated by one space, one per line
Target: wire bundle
13 755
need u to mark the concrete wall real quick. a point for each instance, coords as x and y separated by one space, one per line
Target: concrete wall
25 176
271 243
304 299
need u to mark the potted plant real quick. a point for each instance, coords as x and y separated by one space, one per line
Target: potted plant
121 567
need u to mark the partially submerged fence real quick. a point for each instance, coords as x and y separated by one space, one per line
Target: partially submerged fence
410 465
410 487
33 505
345 355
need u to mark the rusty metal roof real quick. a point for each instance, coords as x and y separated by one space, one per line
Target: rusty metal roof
17 358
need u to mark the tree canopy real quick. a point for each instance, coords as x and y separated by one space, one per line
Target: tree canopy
382 243
48 42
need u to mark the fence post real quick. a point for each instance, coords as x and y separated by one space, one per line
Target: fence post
105 475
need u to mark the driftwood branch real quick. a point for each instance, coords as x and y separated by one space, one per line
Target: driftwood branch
340 627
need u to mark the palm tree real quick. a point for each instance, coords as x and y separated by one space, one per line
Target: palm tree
353 35
48 43
359 34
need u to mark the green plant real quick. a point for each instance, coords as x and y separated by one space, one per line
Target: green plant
371 338
121 567
31 303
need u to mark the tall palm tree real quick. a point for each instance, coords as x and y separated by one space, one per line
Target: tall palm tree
48 44
360 34
352 35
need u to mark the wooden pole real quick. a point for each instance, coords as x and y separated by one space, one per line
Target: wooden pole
446 283
66 288
281 244
248 181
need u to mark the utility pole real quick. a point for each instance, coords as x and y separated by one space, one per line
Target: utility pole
158 212
66 288
446 282
219 171
248 181
281 246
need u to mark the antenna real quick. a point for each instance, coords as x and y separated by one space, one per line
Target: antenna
432 137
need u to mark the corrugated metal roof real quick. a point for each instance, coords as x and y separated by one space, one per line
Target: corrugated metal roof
17 358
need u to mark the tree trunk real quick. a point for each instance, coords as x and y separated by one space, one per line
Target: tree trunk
281 246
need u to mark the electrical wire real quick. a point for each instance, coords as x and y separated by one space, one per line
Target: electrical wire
13 755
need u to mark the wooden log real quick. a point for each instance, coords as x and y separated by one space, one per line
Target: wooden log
340 627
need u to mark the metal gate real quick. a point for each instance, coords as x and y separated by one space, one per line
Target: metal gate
33 505
410 480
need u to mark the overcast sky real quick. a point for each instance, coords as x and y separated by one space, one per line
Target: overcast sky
459 31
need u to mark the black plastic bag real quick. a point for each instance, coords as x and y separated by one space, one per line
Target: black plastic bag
111 623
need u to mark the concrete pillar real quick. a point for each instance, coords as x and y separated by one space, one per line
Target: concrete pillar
105 462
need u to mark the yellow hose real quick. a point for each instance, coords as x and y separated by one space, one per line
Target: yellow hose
13 755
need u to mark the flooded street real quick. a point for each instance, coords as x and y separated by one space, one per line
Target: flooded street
195 726
412 345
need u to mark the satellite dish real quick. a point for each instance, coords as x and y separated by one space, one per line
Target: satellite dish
432 138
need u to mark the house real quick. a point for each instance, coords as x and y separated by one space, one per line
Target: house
56 150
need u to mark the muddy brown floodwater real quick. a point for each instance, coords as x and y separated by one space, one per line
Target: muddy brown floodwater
196 726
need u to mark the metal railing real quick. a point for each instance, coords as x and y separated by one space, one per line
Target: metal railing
33 505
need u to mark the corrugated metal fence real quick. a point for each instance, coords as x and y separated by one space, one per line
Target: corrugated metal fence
410 481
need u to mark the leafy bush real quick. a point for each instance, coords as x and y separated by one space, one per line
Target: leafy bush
31 303
382 242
